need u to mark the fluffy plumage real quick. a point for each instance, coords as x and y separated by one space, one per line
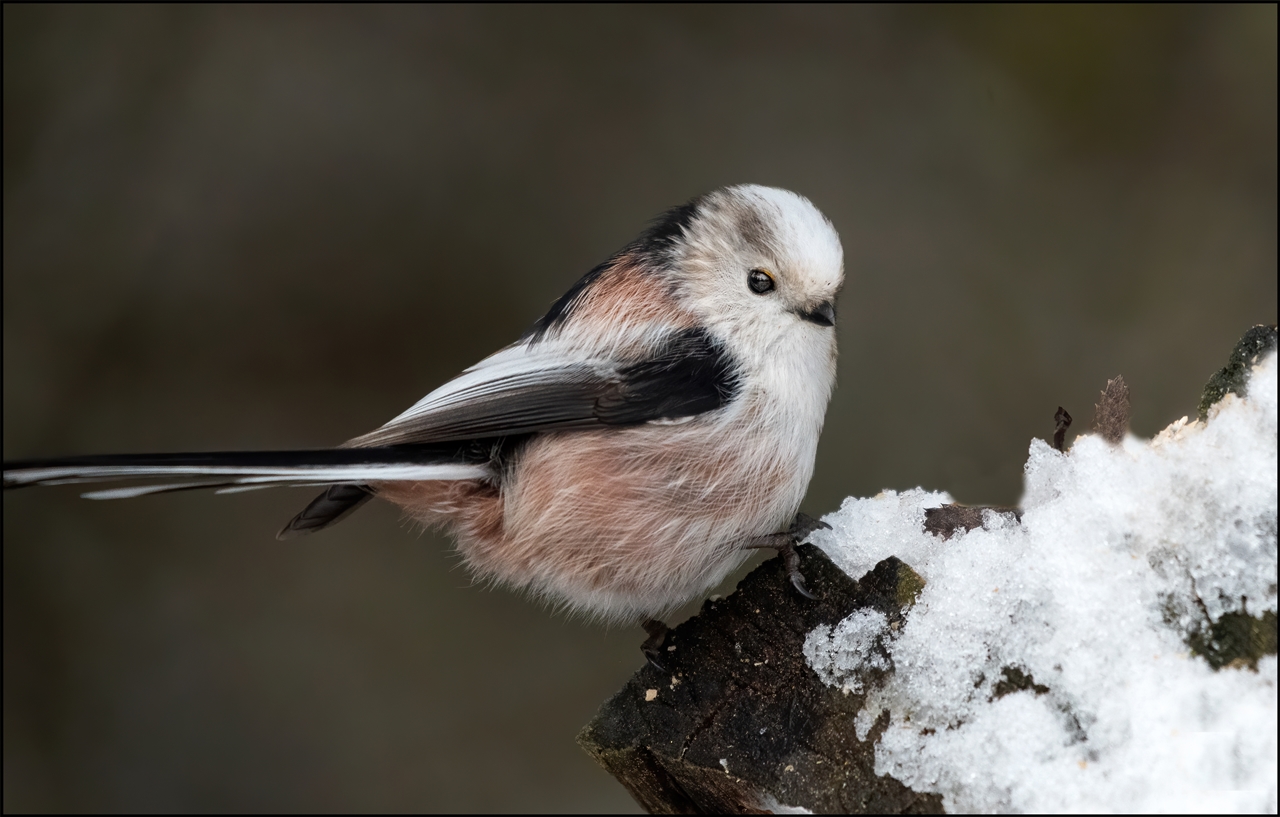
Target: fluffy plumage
614 460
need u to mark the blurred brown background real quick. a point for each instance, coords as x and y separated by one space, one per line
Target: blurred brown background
278 227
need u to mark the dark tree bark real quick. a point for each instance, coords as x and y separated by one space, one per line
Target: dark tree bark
738 722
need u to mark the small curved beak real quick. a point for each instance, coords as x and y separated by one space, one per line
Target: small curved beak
824 314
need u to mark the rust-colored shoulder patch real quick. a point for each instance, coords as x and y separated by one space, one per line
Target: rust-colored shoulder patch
629 292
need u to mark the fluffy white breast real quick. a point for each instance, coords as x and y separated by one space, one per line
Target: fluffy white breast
788 361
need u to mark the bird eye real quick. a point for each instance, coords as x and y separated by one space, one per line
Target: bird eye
760 281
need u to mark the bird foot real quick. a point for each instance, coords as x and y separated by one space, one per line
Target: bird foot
785 544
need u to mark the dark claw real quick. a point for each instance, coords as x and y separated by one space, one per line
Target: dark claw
652 646
797 581
791 559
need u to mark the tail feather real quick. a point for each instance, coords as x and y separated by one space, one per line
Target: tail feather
146 490
330 508
346 472
253 469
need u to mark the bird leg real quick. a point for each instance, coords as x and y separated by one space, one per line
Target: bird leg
785 543
652 646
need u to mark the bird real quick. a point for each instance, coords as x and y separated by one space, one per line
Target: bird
625 454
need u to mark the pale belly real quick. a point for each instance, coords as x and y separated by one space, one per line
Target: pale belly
630 523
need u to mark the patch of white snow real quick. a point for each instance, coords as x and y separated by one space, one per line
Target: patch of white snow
1122 552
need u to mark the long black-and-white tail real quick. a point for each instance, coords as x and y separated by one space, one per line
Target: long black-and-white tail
347 472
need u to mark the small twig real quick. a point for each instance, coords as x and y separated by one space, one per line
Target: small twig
1062 421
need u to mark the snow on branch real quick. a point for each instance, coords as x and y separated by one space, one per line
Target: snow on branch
1108 646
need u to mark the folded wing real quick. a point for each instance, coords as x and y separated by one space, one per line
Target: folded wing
530 388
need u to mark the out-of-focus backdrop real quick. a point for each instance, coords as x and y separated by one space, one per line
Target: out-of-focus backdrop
277 227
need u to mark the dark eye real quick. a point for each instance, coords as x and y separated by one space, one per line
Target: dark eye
760 281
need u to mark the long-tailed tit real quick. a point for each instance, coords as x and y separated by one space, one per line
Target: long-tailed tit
618 458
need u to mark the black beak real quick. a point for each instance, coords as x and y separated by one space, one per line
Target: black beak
824 314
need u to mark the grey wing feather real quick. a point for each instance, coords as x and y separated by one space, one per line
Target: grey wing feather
513 403
530 387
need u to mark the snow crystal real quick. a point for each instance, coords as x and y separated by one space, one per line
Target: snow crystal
838 653
1045 665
